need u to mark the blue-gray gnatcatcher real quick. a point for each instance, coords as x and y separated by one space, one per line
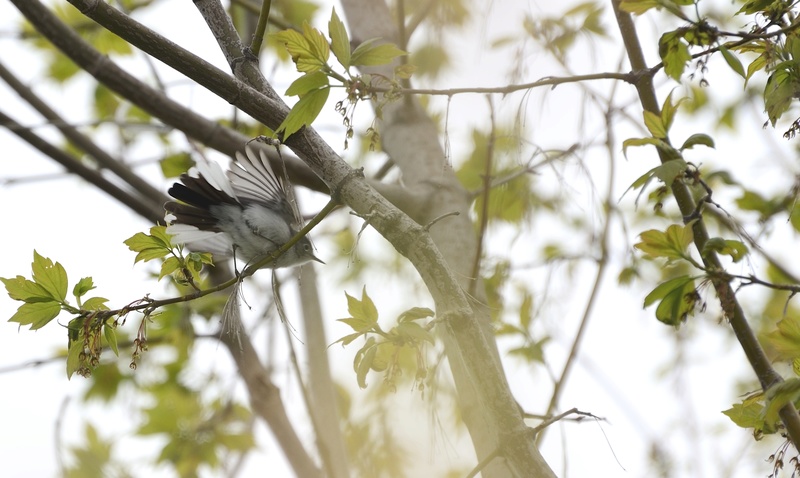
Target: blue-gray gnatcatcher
245 213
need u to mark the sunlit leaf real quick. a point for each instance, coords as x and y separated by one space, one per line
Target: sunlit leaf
340 42
733 61
304 112
670 244
677 299
51 276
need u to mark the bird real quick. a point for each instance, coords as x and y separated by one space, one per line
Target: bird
244 213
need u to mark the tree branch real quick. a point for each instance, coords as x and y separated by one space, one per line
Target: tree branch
767 376
84 142
149 99
139 204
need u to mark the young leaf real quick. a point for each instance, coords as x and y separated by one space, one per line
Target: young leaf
169 266
414 331
82 287
174 165
733 61
300 49
304 112
340 43
95 303
677 300
785 340
52 277
368 55
698 138
736 249
362 363
36 314
671 244
348 338
370 311
74 357
111 337
363 311
638 7
756 65
359 324
415 313
638 142
307 83
778 396
655 125
668 110
149 247
320 49
674 52
748 414
20 288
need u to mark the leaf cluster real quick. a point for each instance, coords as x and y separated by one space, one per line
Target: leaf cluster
310 51
382 350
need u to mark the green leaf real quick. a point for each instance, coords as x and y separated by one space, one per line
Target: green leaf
778 396
698 138
733 61
677 298
74 357
368 307
638 142
20 288
415 331
655 125
756 65
347 339
671 244
748 414
174 165
95 303
307 83
36 314
785 340
340 42
304 112
666 172
736 249
358 324
320 49
415 313
778 94
169 266
674 53
149 247
304 50
668 110
755 6
52 277
82 287
362 363
111 337
638 7
753 201
367 55
526 311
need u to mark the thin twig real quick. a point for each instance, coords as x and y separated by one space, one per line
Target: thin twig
261 28
547 81
487 188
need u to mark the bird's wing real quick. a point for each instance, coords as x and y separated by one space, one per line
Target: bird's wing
253 180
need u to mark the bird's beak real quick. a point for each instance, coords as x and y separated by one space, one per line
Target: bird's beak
313 257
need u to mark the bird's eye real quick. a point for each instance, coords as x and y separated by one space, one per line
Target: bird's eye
306 247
